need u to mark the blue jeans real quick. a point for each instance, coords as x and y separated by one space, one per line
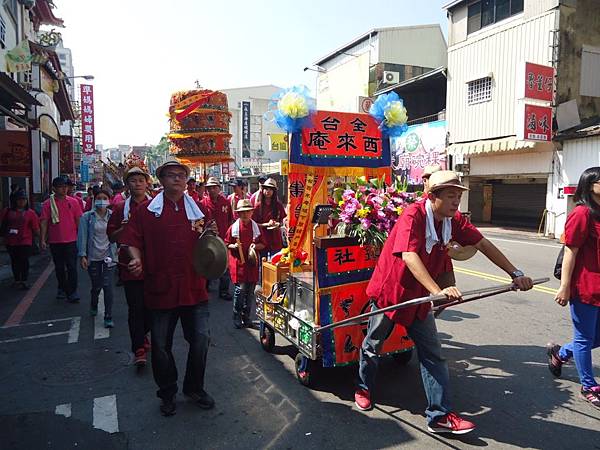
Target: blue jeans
194 321
586 337
434 369
243 296
102 279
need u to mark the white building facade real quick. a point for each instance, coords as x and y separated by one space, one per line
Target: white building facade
517 182
379 58
258 153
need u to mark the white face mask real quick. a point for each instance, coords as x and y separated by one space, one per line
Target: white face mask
101 203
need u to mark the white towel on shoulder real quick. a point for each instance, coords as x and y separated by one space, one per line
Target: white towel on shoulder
431 237
191 208
235 229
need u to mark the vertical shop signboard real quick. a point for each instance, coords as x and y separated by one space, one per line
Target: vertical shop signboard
87 119
245 129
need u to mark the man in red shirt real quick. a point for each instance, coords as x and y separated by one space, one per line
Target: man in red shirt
191 189
59 222
118 194
218 208
137 182
254 197
412 258
162 234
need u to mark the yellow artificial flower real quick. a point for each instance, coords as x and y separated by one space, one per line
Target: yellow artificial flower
363 212
396 114
399 210
341 203
285 251
293 105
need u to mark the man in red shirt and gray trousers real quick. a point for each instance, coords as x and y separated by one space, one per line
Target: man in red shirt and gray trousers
412 259
161 237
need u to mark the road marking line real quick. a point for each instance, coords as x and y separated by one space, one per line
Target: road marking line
487 276
105 414
523 242
99 331
19 312
63 410
72 332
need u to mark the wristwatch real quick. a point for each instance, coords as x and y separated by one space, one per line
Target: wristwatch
516 274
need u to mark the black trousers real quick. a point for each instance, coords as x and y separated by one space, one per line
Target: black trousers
65 266
19 260
194 321
139 317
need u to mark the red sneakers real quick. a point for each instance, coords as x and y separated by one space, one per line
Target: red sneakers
362 400
451 423
140 357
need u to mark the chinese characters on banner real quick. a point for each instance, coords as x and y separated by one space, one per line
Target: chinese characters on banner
87 119
279 142
245 129
350 258
66 155
539 82
341 139
420 146
538 123
15 153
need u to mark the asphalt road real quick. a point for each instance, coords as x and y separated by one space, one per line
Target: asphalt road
65 383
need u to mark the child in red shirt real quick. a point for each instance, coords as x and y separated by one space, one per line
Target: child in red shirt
243 237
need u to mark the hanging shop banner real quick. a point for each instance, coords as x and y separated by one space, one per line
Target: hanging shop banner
535 123
420 146
341 140
245 129
538 81
66 155
87 119
15 154
279 142
19 58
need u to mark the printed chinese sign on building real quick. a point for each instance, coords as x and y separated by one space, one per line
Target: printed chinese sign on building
537 123
341 139
15 154
66 155
87 119
420 146
279 142
245 129
539 82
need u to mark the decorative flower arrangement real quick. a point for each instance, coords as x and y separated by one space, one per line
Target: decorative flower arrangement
369 209
391 114
291 109
285 257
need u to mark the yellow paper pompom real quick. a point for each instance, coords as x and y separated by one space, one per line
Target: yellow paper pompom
293 105
396 114
363 212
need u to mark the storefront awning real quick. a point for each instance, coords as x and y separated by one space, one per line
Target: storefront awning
503 145
14 100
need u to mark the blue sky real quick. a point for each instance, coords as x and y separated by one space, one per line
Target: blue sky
142 50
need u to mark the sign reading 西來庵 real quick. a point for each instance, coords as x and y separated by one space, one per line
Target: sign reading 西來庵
341 139
87 119
539 82
537 123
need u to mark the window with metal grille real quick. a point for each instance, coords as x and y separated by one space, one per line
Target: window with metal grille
2 32
479 91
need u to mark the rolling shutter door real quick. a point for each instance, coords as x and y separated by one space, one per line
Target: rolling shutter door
518 205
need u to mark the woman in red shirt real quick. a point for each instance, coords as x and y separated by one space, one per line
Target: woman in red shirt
269 213
20 223
580 285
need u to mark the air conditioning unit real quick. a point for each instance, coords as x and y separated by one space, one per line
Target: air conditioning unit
464 168
391 77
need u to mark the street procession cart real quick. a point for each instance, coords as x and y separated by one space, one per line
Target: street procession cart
321 277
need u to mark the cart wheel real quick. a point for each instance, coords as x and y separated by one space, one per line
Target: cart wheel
403 358
267 337
304 369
